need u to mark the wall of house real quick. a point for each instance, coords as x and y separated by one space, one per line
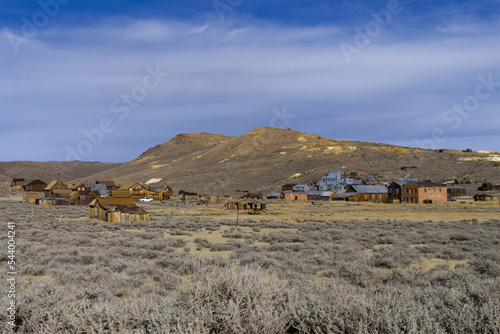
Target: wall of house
296 196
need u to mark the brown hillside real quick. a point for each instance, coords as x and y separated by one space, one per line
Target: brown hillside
265 158
47 171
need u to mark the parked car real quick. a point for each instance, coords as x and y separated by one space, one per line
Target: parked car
146 199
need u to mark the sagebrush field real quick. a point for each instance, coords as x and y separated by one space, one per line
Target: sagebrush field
299 268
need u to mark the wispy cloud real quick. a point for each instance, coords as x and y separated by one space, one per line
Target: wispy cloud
228 77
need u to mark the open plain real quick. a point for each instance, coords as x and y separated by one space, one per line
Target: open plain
337 267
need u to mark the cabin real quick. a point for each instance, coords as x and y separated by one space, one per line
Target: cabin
135 189
395 190
187 196
54 186
276 195
488 187
456 191
252 196
288 187
251 207
367 193
425 192
35 185
108 184
295 196
52 201
116 210
484 197
31 196
161 192
83 197
17 184
463 180
409 168
79 187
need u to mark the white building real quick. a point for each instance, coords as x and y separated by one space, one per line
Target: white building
334 181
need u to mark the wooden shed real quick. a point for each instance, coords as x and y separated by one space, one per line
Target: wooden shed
484 197
18 184
31 197
115 210
135 189
35 185
53 186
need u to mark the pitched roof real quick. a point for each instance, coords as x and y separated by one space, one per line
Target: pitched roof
107 183
53 183
428 184
129 185
369 188
113 202
36 182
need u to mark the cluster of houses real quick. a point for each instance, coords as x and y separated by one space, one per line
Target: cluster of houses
106 200
360 187
114 203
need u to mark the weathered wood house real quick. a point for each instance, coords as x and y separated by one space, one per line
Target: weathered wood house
17 184
161 193
187 196
276 195
252 196
487 186
79 187
288 187
109 184
366 193
135 189
115 210
456 191
295 196
31 196
484 197
425 192
35 185
54 186
463 180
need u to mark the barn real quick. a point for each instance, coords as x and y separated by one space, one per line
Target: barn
35 185
116 210
367 193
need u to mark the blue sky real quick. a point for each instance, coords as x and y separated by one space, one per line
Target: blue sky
106 80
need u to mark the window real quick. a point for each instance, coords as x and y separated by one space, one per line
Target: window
425 190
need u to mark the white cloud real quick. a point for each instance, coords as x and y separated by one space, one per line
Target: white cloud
74 74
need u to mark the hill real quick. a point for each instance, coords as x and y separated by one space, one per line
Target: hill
47 171
265 158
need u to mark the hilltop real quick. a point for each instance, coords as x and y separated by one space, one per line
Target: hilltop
265 158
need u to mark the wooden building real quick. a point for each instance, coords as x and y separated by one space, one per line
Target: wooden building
366 193
54 186
31 196
425 192
276 195
484 197
79 187
295 196
52 201
456 191
288 187
487 186
161 193
187 196
109 184
18 184
252 196
115 210
463 180
135 189
35 185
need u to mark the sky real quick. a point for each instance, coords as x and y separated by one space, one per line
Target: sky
106 80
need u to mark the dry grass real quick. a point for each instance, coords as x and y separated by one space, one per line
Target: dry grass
297 269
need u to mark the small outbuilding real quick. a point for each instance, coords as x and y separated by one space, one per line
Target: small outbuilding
484 198
116 210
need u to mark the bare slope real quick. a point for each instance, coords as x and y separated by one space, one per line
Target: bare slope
266 158
47 171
